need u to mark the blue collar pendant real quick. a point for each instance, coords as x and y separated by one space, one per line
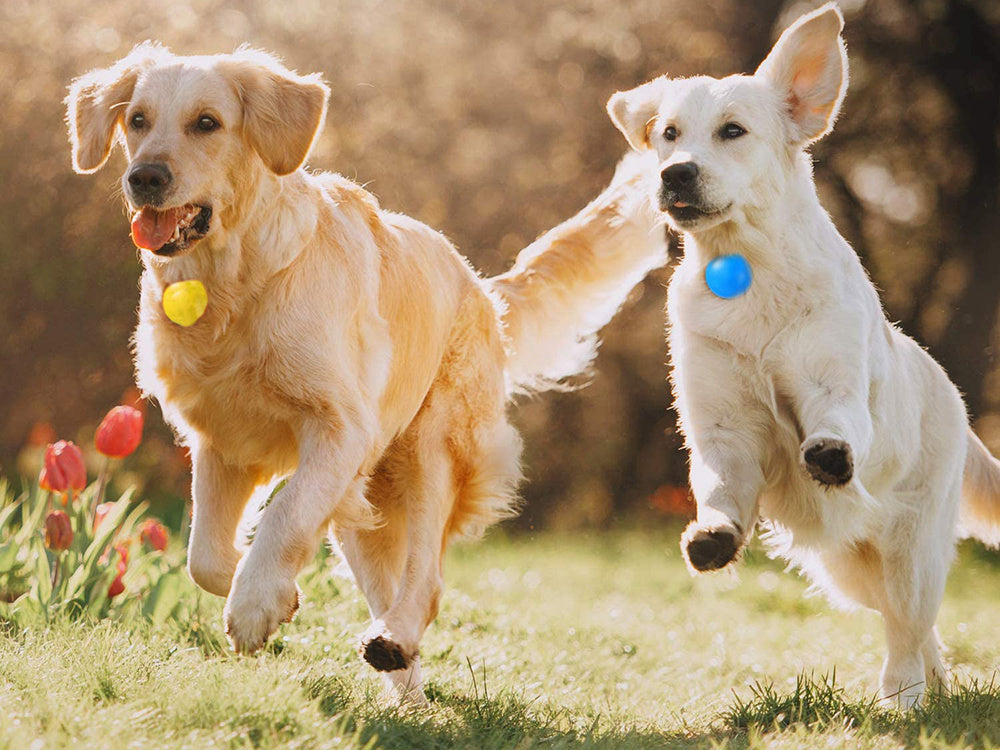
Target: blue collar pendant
728 276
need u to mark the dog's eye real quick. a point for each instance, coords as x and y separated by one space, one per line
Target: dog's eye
670 133
207 124
731 130
137 121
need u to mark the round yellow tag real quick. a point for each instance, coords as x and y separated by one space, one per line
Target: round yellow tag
185 301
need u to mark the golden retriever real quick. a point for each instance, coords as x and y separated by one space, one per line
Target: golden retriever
348 348
800 402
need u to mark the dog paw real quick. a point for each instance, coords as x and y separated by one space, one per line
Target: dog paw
829 461
251 617
709 549
380 649
404 687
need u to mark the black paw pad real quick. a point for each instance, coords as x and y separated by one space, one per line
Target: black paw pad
711 550
384 655
829 462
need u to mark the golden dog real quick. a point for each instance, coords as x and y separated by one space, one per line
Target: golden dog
350 349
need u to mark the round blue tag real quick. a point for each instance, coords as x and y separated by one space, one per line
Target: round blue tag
728 276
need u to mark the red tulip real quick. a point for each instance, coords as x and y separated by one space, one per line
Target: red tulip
118 585
154 534
64 468
133 397
100 513
122 550
58 531
119 432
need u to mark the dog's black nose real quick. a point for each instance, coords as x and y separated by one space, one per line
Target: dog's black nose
678 176
149 182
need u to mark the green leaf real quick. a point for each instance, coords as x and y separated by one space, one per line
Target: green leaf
26 610
75 583
43 575
164 598
109 527
8 555
8 512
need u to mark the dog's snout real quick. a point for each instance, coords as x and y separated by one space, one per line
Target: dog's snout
679 176
149 181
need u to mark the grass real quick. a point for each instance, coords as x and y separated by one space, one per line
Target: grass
595 640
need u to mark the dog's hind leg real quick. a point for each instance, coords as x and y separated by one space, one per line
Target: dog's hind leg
391 643
908 611
377 558
455 468
904 582
914 568
935 670
916 556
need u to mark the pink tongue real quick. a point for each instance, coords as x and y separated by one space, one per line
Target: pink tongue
152 229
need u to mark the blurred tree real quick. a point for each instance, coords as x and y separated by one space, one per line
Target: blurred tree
963 57
486 120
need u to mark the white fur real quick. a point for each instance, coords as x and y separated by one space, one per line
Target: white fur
807 355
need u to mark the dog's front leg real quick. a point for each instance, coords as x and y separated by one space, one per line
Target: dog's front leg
327 486
220 492
831 386
727 433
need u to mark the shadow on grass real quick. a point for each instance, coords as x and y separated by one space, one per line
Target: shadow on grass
968 714
486 722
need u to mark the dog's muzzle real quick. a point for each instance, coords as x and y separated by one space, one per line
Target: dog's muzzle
148 183
679 194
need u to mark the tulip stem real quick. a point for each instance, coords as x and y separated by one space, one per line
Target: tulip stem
186 519
102 483
55 572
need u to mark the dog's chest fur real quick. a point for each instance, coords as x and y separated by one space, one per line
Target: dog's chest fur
762 334
214 387
755 326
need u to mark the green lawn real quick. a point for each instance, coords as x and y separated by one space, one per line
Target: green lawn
587 639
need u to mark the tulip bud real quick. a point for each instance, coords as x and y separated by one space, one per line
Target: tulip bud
64 468
122 550
100 513
154 534
119 432
118 585
58 531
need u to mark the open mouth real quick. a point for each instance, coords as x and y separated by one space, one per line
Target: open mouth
685 213
171 231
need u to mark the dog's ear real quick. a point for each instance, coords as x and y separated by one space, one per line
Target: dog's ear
808 65
282 111
634 111
95 106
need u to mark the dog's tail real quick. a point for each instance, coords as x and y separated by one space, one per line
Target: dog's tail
980 511
566 285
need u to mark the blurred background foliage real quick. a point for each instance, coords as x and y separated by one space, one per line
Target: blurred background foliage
486 120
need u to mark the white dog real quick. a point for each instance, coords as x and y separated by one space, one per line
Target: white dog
800 402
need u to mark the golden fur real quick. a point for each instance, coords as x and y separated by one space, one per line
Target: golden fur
348 348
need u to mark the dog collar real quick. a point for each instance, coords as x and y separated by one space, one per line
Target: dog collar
728 276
